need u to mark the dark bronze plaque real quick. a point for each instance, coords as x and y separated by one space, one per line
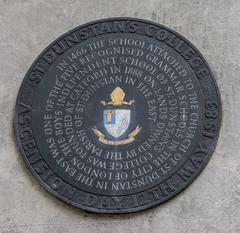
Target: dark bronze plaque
117 115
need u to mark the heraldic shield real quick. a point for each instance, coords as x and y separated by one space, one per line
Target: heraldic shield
116 121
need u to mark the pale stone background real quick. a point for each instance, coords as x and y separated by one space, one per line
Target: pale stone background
210 204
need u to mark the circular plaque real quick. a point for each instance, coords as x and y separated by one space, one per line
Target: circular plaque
117 115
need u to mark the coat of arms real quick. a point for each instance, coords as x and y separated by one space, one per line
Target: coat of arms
116 120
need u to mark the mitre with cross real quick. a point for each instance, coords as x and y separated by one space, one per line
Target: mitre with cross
117 97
